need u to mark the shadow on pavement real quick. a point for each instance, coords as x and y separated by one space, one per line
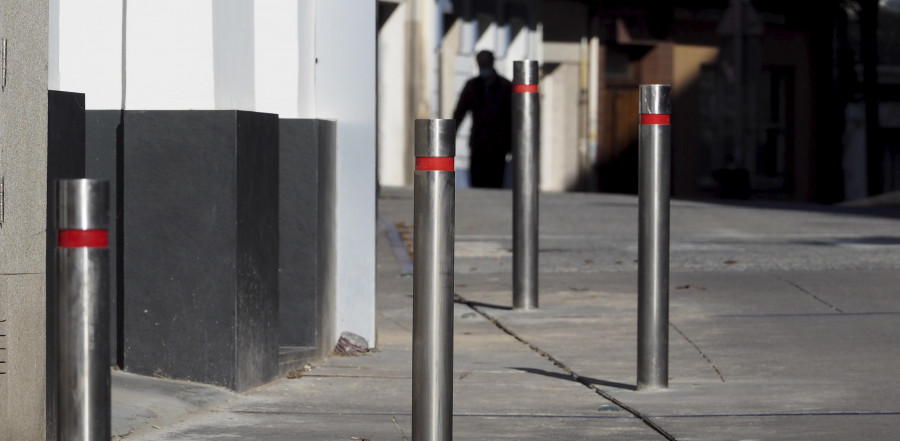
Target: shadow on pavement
868 240
563 376
481 304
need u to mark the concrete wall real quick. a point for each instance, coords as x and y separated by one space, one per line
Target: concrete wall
395 166
228 54
170 55
23 165
220 55
284 57
345 91
86 50
233 54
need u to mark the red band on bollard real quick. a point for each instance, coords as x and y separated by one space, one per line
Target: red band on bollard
83 239
655 119
525 88
429 163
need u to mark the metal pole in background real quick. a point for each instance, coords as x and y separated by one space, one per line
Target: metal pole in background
82 295
654 139
526 138
434 197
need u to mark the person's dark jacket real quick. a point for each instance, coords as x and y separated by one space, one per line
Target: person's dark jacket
490 101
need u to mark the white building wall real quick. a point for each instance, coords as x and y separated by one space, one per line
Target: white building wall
345 91
285 57
86 51
169 55
208 54
306 79
394 156
277 61
233 54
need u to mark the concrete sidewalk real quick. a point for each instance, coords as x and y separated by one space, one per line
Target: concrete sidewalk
783 326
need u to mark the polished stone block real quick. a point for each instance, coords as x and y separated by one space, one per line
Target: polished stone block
303 200
201 246
103 143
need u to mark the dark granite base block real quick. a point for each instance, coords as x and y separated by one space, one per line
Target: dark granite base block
103 139
327 234
201 246
306 204
298 220
65 160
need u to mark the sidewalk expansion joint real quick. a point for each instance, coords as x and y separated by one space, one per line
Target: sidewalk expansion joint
398 246
397 425
817 298
396 322
380 377
702 354
559 364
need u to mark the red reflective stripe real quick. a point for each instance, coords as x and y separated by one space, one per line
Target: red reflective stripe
525 88
83 239
428 163
657 119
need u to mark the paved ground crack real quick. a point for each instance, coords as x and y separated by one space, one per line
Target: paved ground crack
397 425
402 248
396 322
820 300
634 412
713 365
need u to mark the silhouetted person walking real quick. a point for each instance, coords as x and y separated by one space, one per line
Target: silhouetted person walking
489 97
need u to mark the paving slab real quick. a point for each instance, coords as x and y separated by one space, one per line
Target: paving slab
140 404
783 325
767 426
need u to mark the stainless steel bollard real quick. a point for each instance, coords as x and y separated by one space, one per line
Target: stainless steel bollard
435 192
82 295
526 133
654 139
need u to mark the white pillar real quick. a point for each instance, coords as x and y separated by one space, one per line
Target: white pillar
169 55
284 58
394 153
233 54
86 51
345 91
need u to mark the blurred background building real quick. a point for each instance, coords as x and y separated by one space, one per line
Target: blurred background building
772 99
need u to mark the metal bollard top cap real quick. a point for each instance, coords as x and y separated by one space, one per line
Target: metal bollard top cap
82 204
435 138
654 99
525 72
